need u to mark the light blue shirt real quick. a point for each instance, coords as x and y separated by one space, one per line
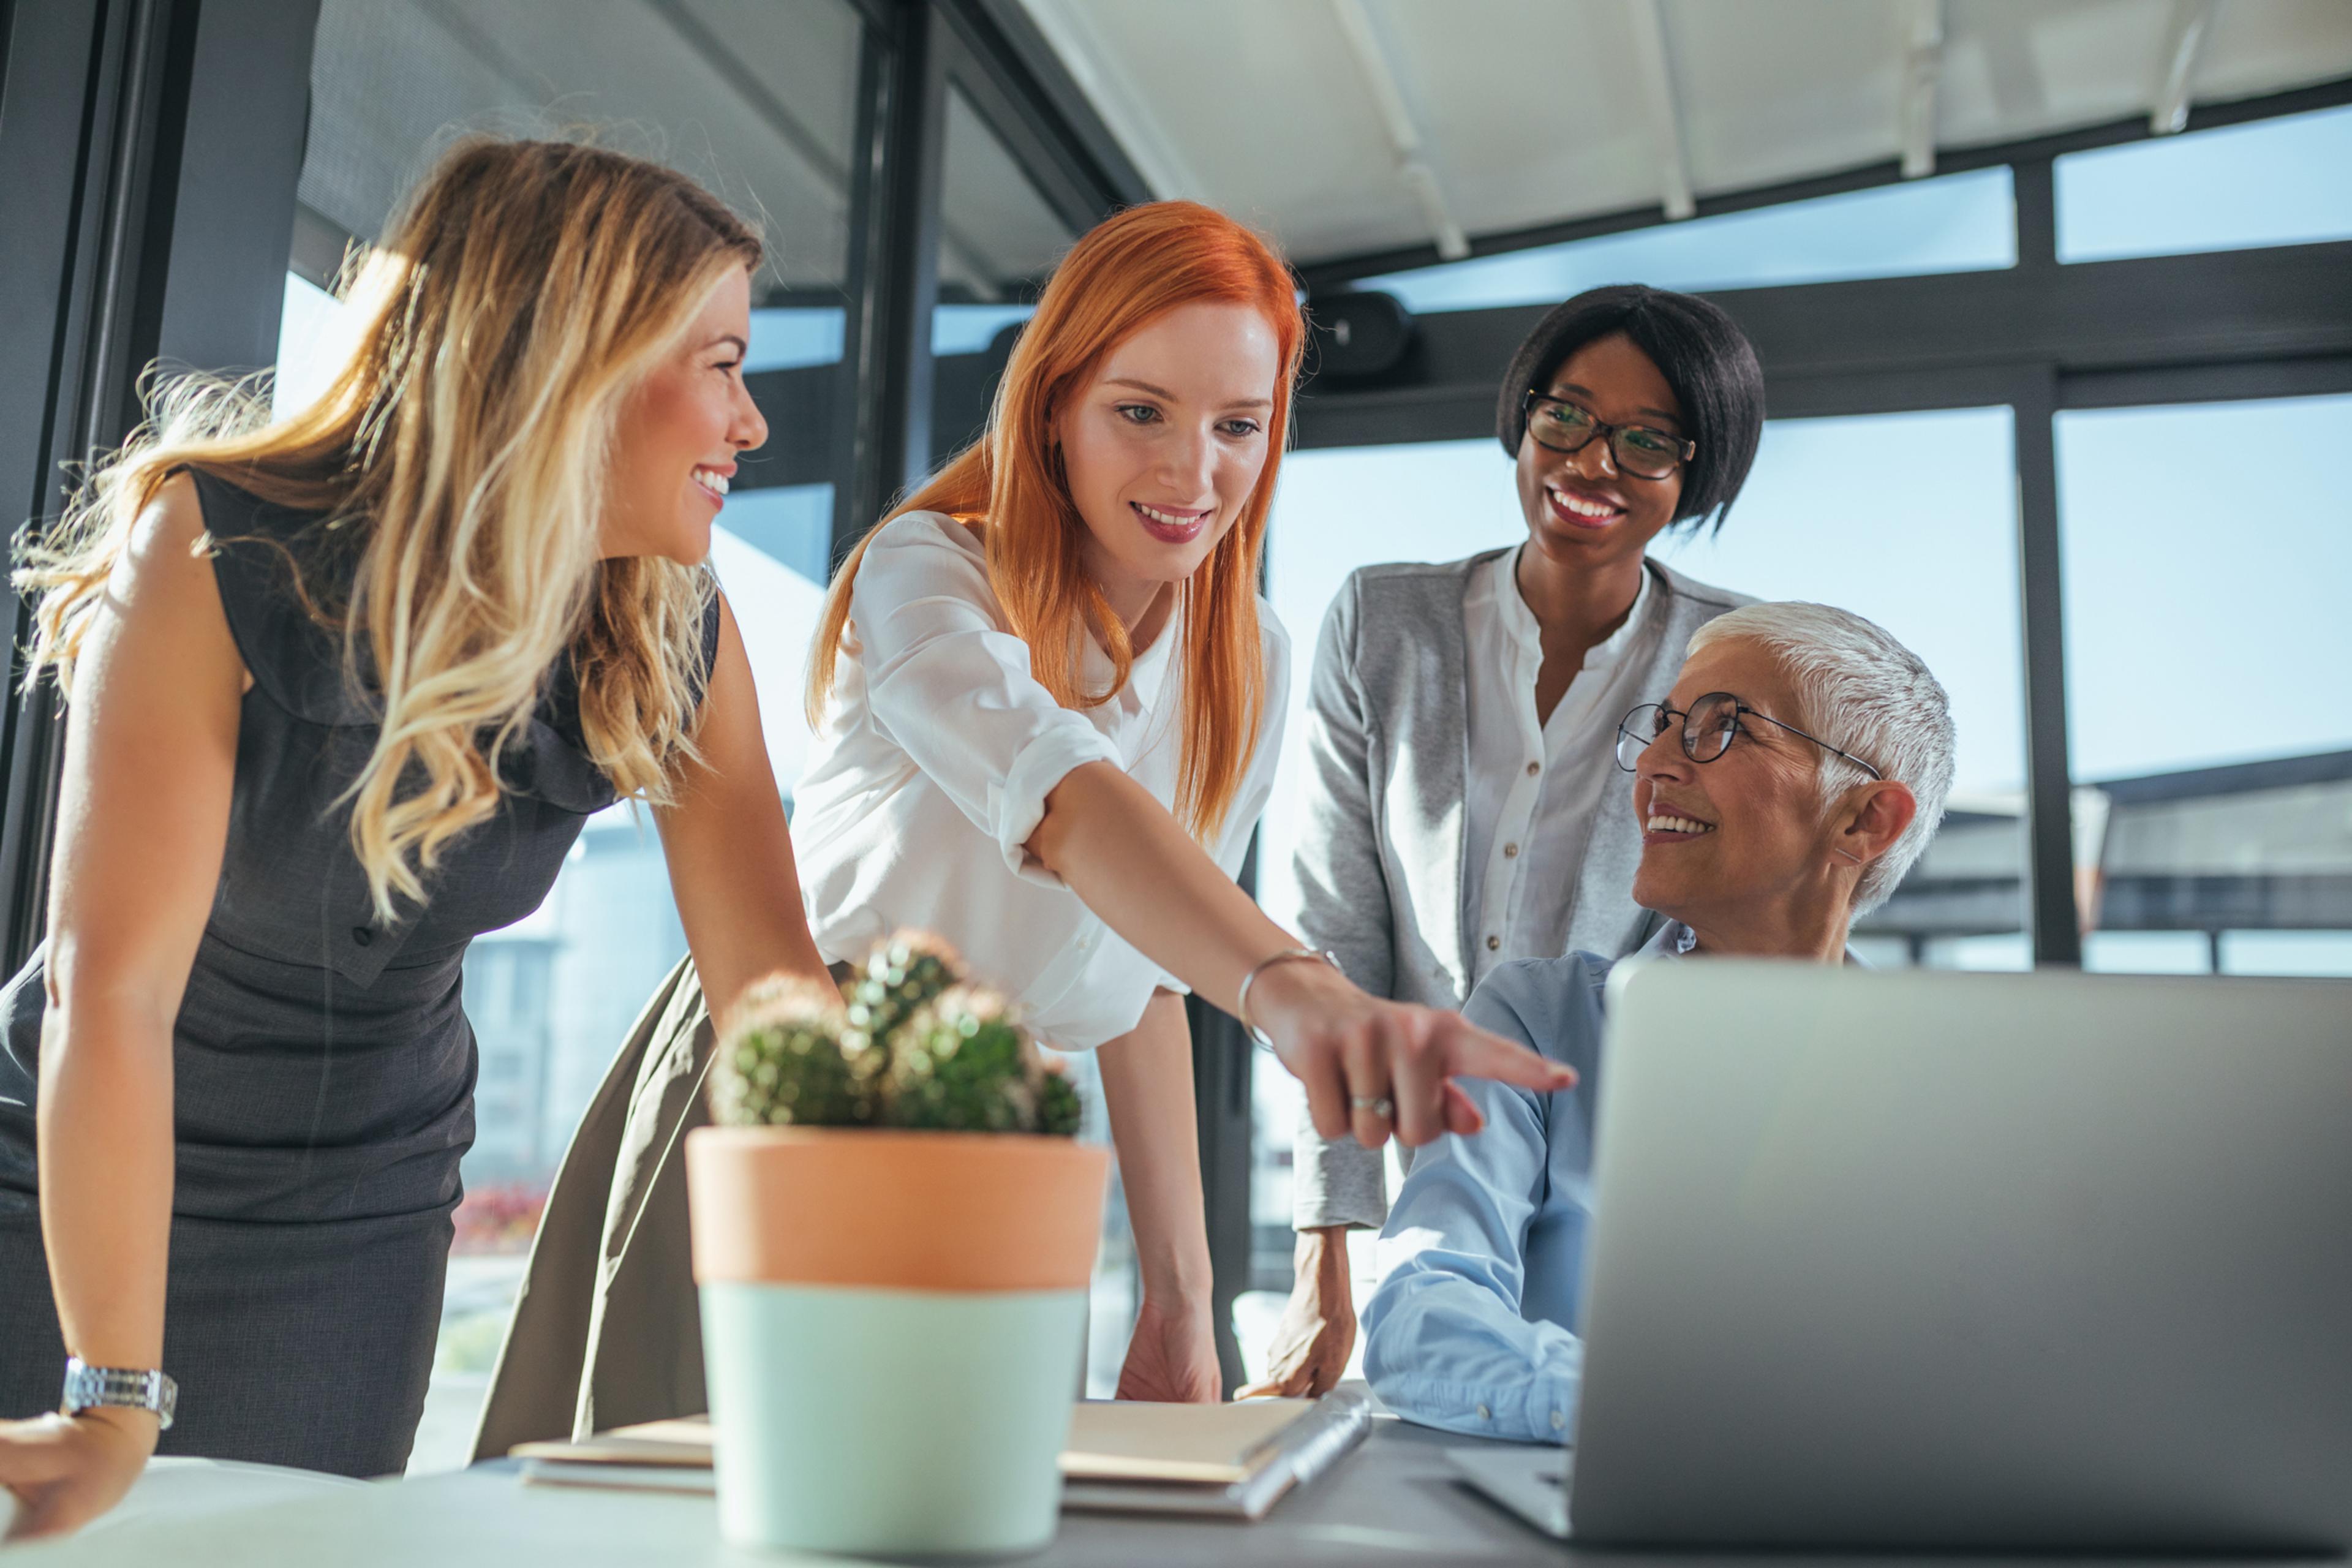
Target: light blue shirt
1473 1328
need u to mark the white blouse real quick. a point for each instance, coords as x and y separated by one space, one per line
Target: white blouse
930 769
1535 789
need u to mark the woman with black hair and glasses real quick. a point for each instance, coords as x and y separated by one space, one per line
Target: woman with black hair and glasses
1462 806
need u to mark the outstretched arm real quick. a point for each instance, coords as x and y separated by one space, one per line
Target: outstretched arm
1121 851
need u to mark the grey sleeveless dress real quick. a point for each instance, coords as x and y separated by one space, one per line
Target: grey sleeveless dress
324 1068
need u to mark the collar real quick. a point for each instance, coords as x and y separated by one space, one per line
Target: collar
1520 625
1148 675
1675 939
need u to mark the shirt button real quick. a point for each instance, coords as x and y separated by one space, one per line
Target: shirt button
1483 1415
361 936
1559 1421
1510 851
1534 768
1494 944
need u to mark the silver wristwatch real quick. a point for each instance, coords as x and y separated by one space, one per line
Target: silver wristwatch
88 1386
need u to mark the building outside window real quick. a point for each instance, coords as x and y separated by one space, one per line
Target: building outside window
2217 765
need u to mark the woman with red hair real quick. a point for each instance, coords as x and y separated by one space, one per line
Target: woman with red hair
1047 694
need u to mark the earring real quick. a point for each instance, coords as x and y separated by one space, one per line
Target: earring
1847 853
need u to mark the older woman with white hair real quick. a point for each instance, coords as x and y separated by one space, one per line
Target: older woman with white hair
1794 774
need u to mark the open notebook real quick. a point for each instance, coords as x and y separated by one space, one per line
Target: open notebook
1234 1460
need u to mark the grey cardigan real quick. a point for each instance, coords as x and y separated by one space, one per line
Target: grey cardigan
1381 858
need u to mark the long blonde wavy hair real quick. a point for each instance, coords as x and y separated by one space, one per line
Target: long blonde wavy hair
522 293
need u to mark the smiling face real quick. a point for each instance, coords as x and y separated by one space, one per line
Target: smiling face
1580 509
679 432
1164 446
1732 843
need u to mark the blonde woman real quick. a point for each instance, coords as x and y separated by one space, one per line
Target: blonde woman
343 689
1047 694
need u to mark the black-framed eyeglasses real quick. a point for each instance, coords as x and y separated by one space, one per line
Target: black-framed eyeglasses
1637 450
1709 726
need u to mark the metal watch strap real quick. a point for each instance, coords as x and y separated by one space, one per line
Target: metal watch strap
89 1387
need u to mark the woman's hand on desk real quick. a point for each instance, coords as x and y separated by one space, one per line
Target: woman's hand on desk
1353 1051
65 1471
1318 1331
1172 1358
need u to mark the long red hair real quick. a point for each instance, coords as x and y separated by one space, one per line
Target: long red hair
1129 270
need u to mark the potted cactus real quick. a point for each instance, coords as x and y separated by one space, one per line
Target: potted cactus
893 1232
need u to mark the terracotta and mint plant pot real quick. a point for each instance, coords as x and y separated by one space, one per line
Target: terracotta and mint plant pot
893 1326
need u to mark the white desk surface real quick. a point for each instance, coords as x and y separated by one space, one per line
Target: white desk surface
1394 1502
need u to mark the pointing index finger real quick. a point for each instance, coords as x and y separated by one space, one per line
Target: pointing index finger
1475 1053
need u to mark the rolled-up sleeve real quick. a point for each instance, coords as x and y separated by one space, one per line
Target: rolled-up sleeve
1445 1342
953 689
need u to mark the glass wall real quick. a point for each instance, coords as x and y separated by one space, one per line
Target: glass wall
755 98
2206 634
1911 519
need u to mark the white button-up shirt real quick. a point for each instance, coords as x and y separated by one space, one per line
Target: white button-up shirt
1534 788
931 767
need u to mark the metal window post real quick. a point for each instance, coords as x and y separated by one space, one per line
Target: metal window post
2050 912
2049 820
148 160
893 265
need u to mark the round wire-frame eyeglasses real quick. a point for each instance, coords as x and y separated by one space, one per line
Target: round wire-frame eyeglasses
1709 726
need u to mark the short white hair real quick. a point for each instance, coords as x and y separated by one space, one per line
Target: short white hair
1862 692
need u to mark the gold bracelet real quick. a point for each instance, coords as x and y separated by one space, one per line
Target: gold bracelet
1241 1002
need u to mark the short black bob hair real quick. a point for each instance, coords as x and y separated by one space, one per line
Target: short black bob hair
1703 355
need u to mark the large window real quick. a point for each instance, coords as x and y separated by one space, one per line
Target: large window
1911 519
2205 641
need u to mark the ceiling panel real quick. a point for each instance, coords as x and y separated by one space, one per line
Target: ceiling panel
1776 92
1533 111
1530 110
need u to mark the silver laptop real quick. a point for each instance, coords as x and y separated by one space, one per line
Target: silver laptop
1913 1259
